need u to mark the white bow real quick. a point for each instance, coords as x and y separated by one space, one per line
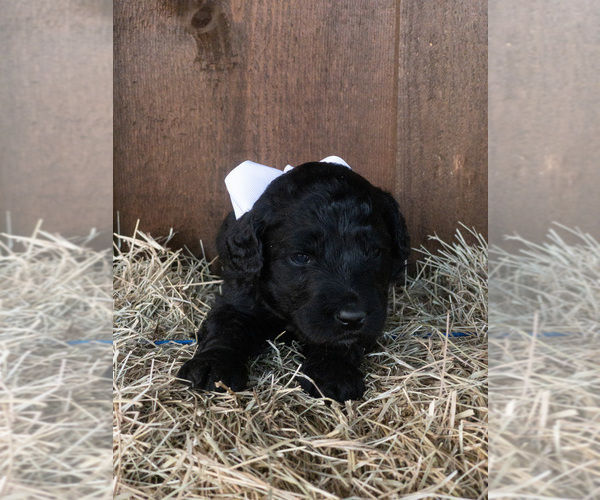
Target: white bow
248 181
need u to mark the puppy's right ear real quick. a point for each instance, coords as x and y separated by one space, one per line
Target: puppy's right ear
240 247
398 231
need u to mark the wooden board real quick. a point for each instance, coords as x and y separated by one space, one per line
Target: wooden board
264 84
544 119
56 125
202 86
441 169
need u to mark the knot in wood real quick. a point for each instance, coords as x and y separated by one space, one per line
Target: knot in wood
203 20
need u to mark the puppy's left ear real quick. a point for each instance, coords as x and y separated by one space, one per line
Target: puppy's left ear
399 232
240 247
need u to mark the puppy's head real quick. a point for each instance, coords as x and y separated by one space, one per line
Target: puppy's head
321 247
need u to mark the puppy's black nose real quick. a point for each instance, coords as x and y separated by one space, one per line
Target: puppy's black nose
351 320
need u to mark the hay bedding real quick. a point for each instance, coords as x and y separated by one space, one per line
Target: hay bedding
54 401
420 430
545 390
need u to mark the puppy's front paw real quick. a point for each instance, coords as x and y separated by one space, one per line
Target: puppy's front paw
336 379
203 371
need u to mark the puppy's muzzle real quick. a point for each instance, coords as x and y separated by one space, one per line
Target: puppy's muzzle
351 319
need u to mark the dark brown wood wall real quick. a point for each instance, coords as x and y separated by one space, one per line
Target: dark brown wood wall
398 89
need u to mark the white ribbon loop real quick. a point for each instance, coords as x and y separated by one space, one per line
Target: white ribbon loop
246 182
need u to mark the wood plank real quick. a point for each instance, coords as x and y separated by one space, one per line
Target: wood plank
198 90
544 120
442 116
56 126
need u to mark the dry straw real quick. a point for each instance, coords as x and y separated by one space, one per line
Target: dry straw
545 390
421 429
559 280
54 402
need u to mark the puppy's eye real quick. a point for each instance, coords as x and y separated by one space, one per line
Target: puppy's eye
374 252
300 259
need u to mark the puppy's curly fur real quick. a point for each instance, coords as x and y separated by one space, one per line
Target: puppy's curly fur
316 257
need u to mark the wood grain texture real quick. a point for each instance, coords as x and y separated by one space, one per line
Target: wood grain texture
281 84
544 119
441 172
56 124
203 85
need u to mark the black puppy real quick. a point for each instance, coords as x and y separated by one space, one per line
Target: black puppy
315 256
